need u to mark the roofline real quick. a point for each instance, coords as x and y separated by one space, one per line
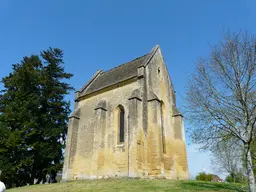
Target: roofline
110 87
150 56
90 81
127 62
144 64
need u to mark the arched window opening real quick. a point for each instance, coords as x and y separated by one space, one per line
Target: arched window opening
162 127
121 124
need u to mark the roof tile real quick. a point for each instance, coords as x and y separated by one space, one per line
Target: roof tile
115 75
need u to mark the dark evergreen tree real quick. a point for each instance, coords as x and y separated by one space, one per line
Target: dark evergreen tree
55 109
33 119
18 103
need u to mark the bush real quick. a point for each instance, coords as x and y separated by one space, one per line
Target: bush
204 177
236 178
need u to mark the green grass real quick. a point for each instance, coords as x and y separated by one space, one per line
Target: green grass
122 185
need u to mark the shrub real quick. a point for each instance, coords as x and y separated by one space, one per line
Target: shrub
204 177
236 178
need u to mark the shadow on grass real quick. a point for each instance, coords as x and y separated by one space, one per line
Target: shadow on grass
213 186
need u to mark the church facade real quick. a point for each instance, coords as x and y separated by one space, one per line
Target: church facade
126 124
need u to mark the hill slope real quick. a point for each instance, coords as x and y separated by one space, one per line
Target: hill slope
129 186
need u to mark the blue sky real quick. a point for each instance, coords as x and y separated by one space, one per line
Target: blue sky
105 33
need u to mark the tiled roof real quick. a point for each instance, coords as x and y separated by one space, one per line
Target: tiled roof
114 75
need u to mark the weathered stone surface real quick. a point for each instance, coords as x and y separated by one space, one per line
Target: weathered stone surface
154 140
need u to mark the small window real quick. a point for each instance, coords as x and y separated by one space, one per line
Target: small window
121 124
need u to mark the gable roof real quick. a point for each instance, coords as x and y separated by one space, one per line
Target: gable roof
115 75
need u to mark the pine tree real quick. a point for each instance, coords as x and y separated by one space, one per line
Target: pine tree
33 119
18 103
54 108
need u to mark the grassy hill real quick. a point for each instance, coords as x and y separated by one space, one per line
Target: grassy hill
130 186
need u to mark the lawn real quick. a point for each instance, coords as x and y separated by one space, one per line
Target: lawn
130 186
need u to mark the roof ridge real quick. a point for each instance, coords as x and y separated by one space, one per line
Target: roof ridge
98 72
124 63
150 55
117 74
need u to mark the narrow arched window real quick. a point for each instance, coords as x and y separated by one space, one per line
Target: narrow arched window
121 124
162 127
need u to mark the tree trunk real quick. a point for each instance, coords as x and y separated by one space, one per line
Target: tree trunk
233 177
251 179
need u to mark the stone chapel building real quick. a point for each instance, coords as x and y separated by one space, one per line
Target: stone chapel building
126 124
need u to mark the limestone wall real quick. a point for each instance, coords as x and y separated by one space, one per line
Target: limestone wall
98 152
173 157
153 147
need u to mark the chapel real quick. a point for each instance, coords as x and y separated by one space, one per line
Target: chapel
126 124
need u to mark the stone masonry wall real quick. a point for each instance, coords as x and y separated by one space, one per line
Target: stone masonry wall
153 147
108 158
173 159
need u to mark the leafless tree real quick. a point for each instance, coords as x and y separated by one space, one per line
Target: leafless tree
227 157
221 99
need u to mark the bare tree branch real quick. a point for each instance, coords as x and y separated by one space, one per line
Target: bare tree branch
221 96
